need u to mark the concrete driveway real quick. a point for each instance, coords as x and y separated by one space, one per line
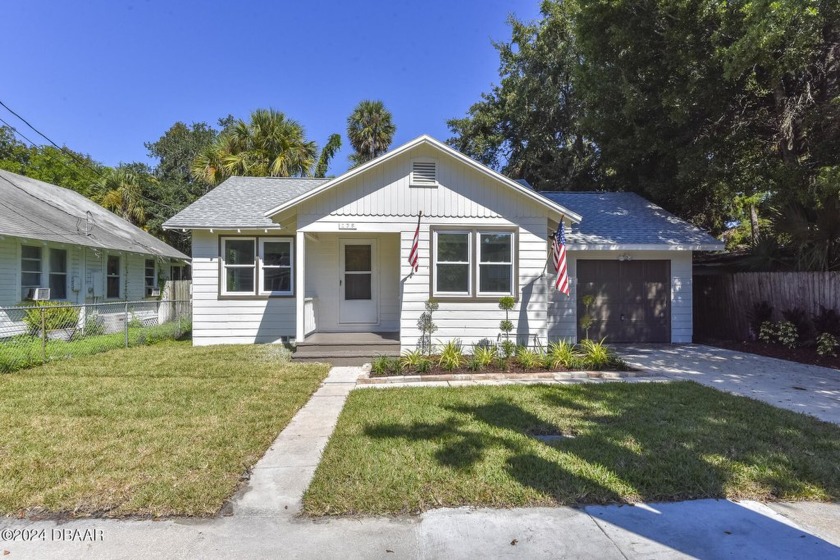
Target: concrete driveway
799 387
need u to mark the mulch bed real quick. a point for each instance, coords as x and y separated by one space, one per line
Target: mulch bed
801 355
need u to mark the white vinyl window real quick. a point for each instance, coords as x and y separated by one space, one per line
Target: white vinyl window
486 256
30 269
257 266
150 277
276 258
495 263
112 277
58 274
452 263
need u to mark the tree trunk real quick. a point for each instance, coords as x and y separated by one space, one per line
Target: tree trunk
754 233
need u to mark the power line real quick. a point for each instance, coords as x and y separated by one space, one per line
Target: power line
70 153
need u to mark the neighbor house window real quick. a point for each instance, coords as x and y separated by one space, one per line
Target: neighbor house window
276 266
461 256
58 274
150 277
112 277
30 269
257 266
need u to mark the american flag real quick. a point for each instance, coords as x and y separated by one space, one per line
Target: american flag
558 249
414 255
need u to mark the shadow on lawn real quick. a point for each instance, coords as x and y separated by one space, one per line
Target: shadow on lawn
637 443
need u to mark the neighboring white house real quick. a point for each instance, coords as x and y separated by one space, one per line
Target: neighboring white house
279 259
52 237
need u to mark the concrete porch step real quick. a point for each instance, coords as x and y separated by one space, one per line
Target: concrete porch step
349 352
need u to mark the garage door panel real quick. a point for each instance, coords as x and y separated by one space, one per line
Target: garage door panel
632 300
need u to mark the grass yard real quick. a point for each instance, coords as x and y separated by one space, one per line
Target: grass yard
153 431
412 449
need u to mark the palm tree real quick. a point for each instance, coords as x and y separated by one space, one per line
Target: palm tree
122 194
270 145
333 145
370 130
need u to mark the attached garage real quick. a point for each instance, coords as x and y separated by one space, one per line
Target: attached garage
630 300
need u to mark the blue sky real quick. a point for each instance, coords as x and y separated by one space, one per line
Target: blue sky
102 77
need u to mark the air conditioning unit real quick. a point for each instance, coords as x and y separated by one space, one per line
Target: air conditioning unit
155 292
38 294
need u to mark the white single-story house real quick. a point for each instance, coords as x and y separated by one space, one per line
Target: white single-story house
279 259
73 250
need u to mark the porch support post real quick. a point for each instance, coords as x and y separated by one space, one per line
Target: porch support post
300 287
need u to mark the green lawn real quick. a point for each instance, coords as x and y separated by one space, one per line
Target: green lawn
408 450
157 430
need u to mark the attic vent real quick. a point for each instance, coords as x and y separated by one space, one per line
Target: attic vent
423 174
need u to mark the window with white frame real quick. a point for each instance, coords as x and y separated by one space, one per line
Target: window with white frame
30 269
112 277
276 257
257 266
461 256
58 274
150 277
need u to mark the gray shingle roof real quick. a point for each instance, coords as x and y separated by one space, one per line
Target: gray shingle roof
33 209
241 202
623 218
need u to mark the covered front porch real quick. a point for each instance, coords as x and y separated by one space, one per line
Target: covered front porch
347 348
351 287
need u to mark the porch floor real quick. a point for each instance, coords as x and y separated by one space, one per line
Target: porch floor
347 348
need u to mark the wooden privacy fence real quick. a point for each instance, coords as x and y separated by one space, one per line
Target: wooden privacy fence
723 303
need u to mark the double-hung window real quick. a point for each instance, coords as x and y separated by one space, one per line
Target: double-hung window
150 277
474 263
257 266
58 274
112 277
30 269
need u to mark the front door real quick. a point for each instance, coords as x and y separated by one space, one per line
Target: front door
357 283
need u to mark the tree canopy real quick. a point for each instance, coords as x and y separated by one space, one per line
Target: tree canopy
370 129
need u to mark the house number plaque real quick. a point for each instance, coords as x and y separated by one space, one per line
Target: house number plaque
346 226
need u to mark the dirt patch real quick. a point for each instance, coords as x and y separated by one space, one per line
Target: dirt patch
801 355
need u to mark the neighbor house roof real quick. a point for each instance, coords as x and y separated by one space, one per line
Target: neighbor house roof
242 202
32 209
623 220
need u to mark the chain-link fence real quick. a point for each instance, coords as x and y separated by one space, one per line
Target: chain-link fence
46 331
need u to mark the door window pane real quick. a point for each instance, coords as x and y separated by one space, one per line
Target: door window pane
357 258
357 286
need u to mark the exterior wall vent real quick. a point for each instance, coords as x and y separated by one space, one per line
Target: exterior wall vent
423 174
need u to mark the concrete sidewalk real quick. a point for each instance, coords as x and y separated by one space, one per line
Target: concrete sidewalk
265 524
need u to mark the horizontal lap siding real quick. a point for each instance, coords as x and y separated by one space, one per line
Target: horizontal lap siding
229 321
562 311
9 277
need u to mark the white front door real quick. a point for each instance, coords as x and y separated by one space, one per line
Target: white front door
357 283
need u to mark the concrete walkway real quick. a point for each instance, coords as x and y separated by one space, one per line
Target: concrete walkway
264 521
799 387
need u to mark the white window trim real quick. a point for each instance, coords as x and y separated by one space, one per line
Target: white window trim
412 183
262 266
119 275
468 262
223 276
154 285
40 261
510 263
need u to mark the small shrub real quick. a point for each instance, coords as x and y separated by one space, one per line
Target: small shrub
586 320
484 355
508 348
379 367
761 313
827 345
94 325
560 354
787 334
134 322
427 326
596 355
474 364
424 365
767 333
411 359
801 322
827 321
506 303
451 356
529 359
56 315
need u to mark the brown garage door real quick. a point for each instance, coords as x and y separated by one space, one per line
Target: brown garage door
632 300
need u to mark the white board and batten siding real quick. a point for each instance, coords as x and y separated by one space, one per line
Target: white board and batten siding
563 310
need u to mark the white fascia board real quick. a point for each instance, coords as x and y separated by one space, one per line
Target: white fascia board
425 139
